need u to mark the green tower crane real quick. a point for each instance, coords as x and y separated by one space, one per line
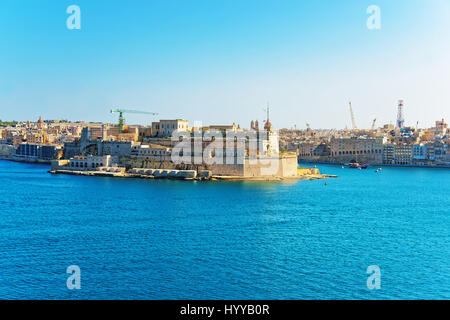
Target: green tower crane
122 111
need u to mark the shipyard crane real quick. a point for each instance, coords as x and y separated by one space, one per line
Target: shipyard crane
373 123
353 117
122 111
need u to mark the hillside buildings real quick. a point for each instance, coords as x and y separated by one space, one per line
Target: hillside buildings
386 145
154 144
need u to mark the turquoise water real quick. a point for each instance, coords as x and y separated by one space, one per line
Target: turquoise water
163 239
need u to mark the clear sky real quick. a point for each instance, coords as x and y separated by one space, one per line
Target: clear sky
221 61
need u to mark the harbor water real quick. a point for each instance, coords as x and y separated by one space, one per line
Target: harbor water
162 239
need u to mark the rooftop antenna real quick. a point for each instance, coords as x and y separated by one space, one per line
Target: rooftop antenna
400 115
267 110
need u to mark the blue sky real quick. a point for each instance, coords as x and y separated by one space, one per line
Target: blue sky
221 61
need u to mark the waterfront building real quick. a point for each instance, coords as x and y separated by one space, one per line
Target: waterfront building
306 150
430 151
37 151
403 153
322 150
437 151
419 152
89 162
389 154
358 148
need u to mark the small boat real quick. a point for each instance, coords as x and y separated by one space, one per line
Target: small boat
356 165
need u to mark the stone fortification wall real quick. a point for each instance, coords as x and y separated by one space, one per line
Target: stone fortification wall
285 166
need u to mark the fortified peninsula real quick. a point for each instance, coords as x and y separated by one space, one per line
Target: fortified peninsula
167 149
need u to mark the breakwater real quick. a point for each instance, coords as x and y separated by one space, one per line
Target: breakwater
204 175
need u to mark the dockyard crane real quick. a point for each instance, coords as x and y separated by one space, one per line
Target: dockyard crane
373 123
353 117
122 111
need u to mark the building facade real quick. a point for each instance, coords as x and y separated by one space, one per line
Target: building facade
165 128
359 149
37 151
91 162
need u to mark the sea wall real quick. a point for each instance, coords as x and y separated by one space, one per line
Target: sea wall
163 173
307 171
143 163
283 166
227 169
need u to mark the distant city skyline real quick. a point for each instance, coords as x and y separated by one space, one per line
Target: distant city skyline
206 124
222 61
